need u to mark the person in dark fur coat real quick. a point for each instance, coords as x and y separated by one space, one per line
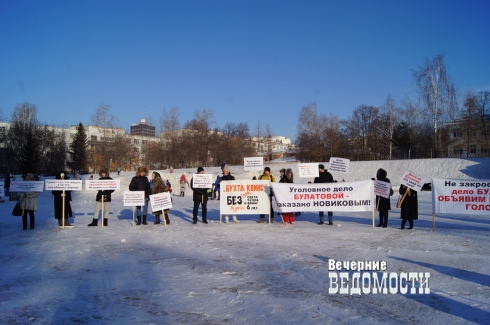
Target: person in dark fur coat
383 204
58 202
159 186
106 194
410 206
140 183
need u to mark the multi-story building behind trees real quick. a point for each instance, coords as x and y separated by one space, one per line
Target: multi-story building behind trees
142 129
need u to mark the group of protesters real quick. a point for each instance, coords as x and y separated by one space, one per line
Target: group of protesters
140 182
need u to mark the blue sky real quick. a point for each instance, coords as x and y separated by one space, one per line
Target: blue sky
243 60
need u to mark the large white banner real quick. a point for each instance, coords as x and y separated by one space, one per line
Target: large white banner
348 196
461 196
244 197
27 186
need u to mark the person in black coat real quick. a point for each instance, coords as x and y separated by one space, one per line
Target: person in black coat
140 183
383 204
106 195
58 202
324 177
410 207
200 196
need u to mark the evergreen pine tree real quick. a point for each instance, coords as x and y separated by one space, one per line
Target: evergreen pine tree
78 150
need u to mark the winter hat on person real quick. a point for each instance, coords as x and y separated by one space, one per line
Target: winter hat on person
29 176
103 170
321 166
226 169
142 169
267 169
200 169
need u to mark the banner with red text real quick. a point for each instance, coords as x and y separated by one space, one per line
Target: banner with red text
461 196
345 196
244 197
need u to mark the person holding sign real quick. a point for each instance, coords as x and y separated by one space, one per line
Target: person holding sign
383 204
58 203
288 178
140 183
102 197
324 177
200 196
159 186
267 176
410 207
29 204
228 177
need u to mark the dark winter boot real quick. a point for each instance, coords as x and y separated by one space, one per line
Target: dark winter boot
138 222
144 221
94 223
157 220
24 222
60 222
167 219
105 222
67 222
262 219
32 222
322 220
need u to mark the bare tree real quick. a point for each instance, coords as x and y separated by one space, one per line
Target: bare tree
104 121
437 93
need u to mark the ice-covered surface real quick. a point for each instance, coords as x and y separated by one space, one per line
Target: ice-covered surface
246 273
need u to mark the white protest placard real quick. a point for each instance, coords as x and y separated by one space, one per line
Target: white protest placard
350 196
202 181
253 163
102 184
461 196
339 165
413 181
308 170
244 197
62 184
27 186
134 198
160 201
382 189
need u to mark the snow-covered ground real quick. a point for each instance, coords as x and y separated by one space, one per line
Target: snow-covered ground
246 273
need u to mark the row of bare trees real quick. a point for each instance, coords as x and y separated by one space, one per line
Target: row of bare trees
409 130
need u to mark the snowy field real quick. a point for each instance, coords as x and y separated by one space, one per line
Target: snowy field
246 273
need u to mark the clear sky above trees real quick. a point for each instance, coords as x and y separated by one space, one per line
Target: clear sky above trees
243 60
